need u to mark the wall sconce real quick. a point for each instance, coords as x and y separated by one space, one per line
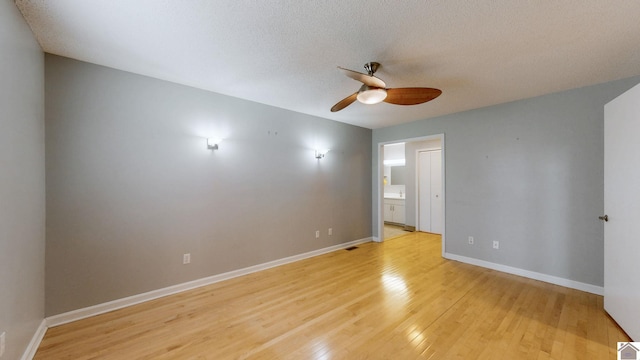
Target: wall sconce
212 144
321 153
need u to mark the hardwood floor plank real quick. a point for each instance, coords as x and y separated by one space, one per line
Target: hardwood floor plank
399 299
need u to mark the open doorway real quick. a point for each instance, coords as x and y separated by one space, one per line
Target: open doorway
399 192
394 193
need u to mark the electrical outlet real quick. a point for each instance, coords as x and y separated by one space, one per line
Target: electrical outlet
496 245
186 259
470 240
330 231
2 336
317 234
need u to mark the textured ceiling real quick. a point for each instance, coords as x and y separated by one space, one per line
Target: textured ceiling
284 53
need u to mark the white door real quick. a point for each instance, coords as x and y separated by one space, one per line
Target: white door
424 191
436 192
430 191
622 206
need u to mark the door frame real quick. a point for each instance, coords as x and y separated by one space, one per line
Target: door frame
380 192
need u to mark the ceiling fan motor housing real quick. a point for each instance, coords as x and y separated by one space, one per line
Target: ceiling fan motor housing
371 67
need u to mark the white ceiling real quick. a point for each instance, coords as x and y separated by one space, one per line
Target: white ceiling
284 53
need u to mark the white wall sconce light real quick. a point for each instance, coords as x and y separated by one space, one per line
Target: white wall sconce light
321 153
212 144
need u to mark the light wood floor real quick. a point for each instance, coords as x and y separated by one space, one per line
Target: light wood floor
391 231
395 300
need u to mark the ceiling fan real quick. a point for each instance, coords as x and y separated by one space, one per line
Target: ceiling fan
374 90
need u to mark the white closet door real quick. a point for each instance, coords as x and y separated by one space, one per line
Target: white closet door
424 191
430 191
621 202
436 191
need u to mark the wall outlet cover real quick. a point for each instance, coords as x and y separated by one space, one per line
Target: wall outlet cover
496 245
186 259
317 234
470 240
330 231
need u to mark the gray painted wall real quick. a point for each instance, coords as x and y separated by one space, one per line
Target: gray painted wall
22 181
131 185
527 173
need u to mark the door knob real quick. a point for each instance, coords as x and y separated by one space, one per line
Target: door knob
605 218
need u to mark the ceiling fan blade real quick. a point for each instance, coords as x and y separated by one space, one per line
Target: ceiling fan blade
344 102
411 96
366 79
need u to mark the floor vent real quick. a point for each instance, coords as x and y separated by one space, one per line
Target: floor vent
351 248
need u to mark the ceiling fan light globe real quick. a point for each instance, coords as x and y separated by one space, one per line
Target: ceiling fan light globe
372 96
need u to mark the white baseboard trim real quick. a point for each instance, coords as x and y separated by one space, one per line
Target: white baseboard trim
598 290
83 313
32 348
